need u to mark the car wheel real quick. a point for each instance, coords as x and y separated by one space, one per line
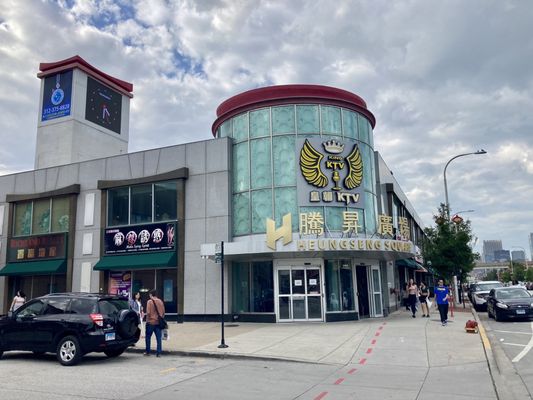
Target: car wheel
114 352
68 351
489 313
497 317
127 324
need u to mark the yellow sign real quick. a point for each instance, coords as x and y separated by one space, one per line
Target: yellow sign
284 231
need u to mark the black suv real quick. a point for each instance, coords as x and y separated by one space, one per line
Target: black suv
71 325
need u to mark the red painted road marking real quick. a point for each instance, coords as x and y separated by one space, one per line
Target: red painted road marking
352 371
373 341
321 396
362 361
339 381
377 333
369 350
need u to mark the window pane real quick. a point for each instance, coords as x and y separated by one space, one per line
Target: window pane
261 170
363 129
117 206
261 209
307 210
349 122
370 135
141 204
60 214
166 201
241 214
41 217
240 127
346 279
284 160
282 120
334 218
307 119
370 213
240 293
285 203
332 285
225 129
368 167
262 287
331 120
241 167
260 123
22 219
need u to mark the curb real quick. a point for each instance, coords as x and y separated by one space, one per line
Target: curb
508 385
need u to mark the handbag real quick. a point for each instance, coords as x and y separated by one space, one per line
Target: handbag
162 323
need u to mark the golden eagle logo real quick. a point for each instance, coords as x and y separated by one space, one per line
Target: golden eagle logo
310 160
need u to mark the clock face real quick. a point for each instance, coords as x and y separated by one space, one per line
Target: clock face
103 106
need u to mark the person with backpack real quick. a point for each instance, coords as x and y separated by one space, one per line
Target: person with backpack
155 309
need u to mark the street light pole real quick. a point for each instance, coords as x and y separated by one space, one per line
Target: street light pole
447 204
219 257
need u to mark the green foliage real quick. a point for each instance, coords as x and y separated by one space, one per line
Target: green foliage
519 271
447 247
506 276
529 274
491 276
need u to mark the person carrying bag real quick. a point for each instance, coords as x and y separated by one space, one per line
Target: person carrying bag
155 322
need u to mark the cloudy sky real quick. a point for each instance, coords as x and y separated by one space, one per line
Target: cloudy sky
442 78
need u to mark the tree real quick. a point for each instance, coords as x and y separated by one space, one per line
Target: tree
447 246
506 276
519 271
529 275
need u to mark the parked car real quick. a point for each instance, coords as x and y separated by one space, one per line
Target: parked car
480 291
71 325
509 302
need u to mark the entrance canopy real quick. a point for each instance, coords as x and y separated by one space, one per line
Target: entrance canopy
148 260
407 262
45 267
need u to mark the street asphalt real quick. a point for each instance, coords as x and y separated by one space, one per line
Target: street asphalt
394 357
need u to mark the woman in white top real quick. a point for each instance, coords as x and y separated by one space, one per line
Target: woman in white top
18 300
136 305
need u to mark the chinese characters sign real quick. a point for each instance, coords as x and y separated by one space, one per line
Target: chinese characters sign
33 248
57 96
140 238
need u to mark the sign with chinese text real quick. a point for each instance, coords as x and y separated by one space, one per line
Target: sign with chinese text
140 238
34 248
331 173
57 95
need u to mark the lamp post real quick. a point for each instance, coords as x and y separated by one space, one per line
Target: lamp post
447 204
219 257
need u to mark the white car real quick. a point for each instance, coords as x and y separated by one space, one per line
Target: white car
480 291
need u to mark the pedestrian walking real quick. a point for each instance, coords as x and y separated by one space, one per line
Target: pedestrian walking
424 294
154 309
442 296
405 296
412 289
136 306
18 300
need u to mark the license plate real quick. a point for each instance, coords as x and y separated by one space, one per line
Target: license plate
520 311
110 336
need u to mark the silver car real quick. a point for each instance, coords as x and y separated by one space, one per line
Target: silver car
479 293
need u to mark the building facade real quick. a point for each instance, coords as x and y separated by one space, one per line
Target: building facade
489 247
313 224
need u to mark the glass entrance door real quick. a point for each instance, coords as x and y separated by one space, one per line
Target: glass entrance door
299 294
376 292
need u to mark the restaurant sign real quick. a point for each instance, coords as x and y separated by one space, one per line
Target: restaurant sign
41 247
140 238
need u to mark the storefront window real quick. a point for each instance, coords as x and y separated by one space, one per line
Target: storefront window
339 286
22 224
166 201
60 214
240 293
141 204
118 205
252 287
41 217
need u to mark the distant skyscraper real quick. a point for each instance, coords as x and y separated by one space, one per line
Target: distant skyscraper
502 255
531 246
518 255
489 247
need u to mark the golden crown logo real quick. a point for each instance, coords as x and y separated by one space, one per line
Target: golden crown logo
310 160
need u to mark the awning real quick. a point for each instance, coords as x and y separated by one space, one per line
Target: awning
44 267
148 260
421 268
407 262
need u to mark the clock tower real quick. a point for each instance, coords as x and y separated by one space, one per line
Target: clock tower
83 113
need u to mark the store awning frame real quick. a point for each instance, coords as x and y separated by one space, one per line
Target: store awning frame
41 267
137 261
408 263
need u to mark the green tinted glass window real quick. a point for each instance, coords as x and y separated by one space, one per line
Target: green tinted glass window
240 292
334 218
60 214
41 217
349 124
141 204
118 203
241 214
307 119
367 154
331 120
241 168
261 209
166 201
370 213
261 171
22 225
240 127
226 129
363 129
260 123
370 135
284 155
285 202
282 120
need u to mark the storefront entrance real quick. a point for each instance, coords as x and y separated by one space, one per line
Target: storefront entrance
299 293
369 296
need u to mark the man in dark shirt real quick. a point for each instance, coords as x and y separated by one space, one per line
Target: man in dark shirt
442 295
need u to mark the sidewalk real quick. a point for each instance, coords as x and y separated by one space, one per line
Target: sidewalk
394 357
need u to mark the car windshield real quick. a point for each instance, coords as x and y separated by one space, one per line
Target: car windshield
487 286
512 293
